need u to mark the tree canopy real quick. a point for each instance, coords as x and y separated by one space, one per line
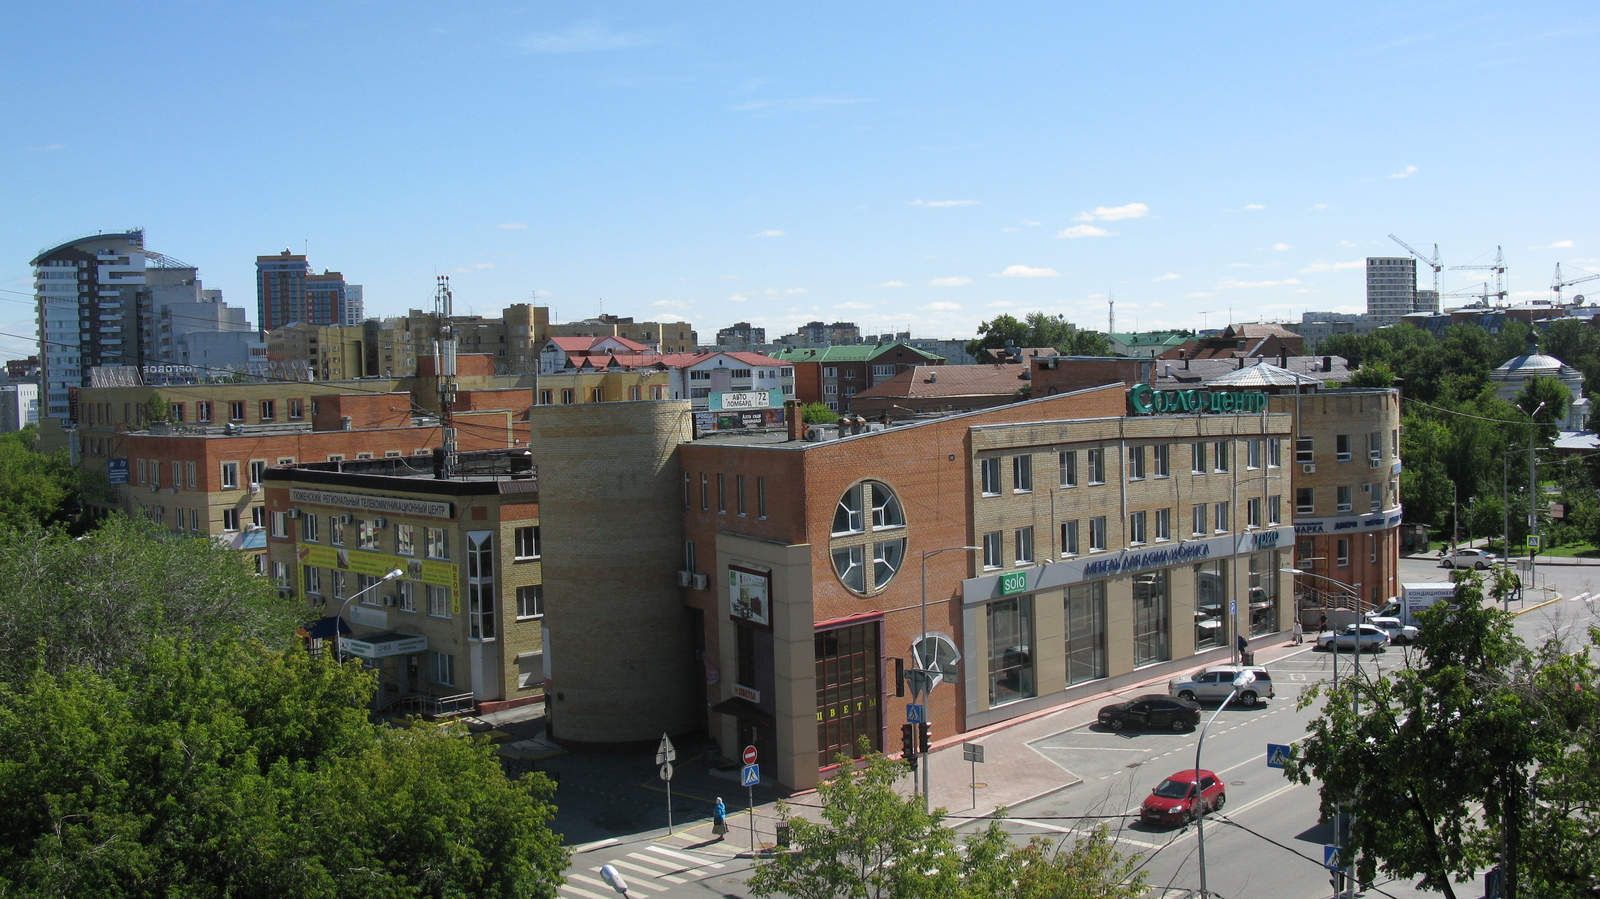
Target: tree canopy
1480 751
230 769
873 843
100 600
35 488
1038 329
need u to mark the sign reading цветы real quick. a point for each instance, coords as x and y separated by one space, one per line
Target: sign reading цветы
1145 400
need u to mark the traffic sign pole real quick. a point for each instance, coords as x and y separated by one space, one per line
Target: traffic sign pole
665 756
750 759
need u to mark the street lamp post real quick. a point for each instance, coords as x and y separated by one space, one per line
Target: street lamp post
922 683
1233 589
1355 595
338 650
1244 678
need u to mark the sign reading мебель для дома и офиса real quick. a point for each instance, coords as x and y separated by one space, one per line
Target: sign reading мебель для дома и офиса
1146 400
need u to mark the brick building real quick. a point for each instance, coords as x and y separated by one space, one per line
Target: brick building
833 375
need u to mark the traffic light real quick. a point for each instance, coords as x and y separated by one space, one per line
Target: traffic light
908 741
926 738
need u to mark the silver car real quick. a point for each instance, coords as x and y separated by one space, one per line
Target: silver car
1399 634
1468 557
1362 637
1213 684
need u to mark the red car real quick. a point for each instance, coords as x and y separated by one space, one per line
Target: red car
1174 802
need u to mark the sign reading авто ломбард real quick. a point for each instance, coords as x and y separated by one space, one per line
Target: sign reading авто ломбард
1145 400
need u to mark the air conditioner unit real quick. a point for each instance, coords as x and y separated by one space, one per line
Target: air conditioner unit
684 577
1366 488
380 523
252 526
346 518
1308 469
292 514
255 487
700 581
1374 463
390 601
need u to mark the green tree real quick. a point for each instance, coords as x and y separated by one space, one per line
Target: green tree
1038 330
157 408
873 843
817 414
230 769
101 600
35 488
1425 477
1375 374
1471 723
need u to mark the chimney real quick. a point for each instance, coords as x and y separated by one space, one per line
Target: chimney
1283 357
1327 363
792 419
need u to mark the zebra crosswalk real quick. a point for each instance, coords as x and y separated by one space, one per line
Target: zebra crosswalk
649 868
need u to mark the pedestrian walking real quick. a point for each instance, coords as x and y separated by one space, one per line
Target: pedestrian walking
1322 623
1299 632
719 819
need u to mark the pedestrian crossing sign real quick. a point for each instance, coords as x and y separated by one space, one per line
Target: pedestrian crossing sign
1277 754
750 775
1330 858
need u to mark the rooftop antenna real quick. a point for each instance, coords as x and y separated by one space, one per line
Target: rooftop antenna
444 354
1111 303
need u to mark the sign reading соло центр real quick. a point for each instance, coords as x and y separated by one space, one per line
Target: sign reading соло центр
1145 400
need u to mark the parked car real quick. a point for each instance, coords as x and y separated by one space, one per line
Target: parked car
1151 711
1177 801
1362 637
1467 557
1399 634
1215 683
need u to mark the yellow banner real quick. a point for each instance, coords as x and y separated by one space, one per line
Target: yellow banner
428 571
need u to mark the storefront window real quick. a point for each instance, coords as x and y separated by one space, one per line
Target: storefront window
1210 601
1263 593
1152 618
1010 650
1086 632
847 691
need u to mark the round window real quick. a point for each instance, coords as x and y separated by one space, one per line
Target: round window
868 542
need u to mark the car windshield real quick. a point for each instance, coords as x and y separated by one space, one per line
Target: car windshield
1172 789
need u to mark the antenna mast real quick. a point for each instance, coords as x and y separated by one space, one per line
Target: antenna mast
444 354
1111 304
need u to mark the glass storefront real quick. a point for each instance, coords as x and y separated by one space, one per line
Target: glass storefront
1263 593
847 691
1086 632
1210 605
1010 650
1152 618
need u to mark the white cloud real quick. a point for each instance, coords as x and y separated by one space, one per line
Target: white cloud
1031 223
943 307
949 282
1280 247
800 104
585 37
1009 230
940 204
1169 276
853 306
511 226
1321 206
1348 244
1558 245
1113 213
671 304
1406 172
1254 207
775 232
725 277
894 284
1077 231
1231 284
1315 267
1022 271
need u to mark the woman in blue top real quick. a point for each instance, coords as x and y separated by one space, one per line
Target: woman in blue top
719 819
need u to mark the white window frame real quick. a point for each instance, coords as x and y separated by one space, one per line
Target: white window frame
989 472
1097 534
993 551
1022 474
1067 462
1023 551
530 602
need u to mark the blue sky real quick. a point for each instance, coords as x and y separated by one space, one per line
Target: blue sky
907 166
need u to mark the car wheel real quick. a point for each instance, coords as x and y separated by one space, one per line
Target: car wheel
1482 565
1187 694
1116 724
1221 801
1180 725
1247 698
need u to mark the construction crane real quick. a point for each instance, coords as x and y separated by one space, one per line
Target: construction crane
1418 253
1481 291
1559 282
1499 269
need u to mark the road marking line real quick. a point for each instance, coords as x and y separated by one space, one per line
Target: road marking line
597 844
592 882
568 888
647 872
694 859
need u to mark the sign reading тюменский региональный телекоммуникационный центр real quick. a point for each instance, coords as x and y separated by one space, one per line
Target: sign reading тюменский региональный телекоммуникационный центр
1145 400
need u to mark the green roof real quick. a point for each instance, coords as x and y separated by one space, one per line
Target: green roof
863 352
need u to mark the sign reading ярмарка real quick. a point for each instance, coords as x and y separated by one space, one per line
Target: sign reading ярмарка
1145 400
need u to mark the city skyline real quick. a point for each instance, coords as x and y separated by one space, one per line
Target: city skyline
905 169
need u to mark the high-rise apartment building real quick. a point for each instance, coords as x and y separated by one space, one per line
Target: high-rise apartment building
287 290
1391 286
92 296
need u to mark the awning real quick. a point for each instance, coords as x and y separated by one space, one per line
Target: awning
323 628
743 708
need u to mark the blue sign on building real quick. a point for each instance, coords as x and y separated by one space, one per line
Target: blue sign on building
116 471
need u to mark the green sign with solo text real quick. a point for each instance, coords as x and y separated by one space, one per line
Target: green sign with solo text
1016 582
1145 400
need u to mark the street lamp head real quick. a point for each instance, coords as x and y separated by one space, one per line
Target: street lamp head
393 574
1291 571
1245 678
